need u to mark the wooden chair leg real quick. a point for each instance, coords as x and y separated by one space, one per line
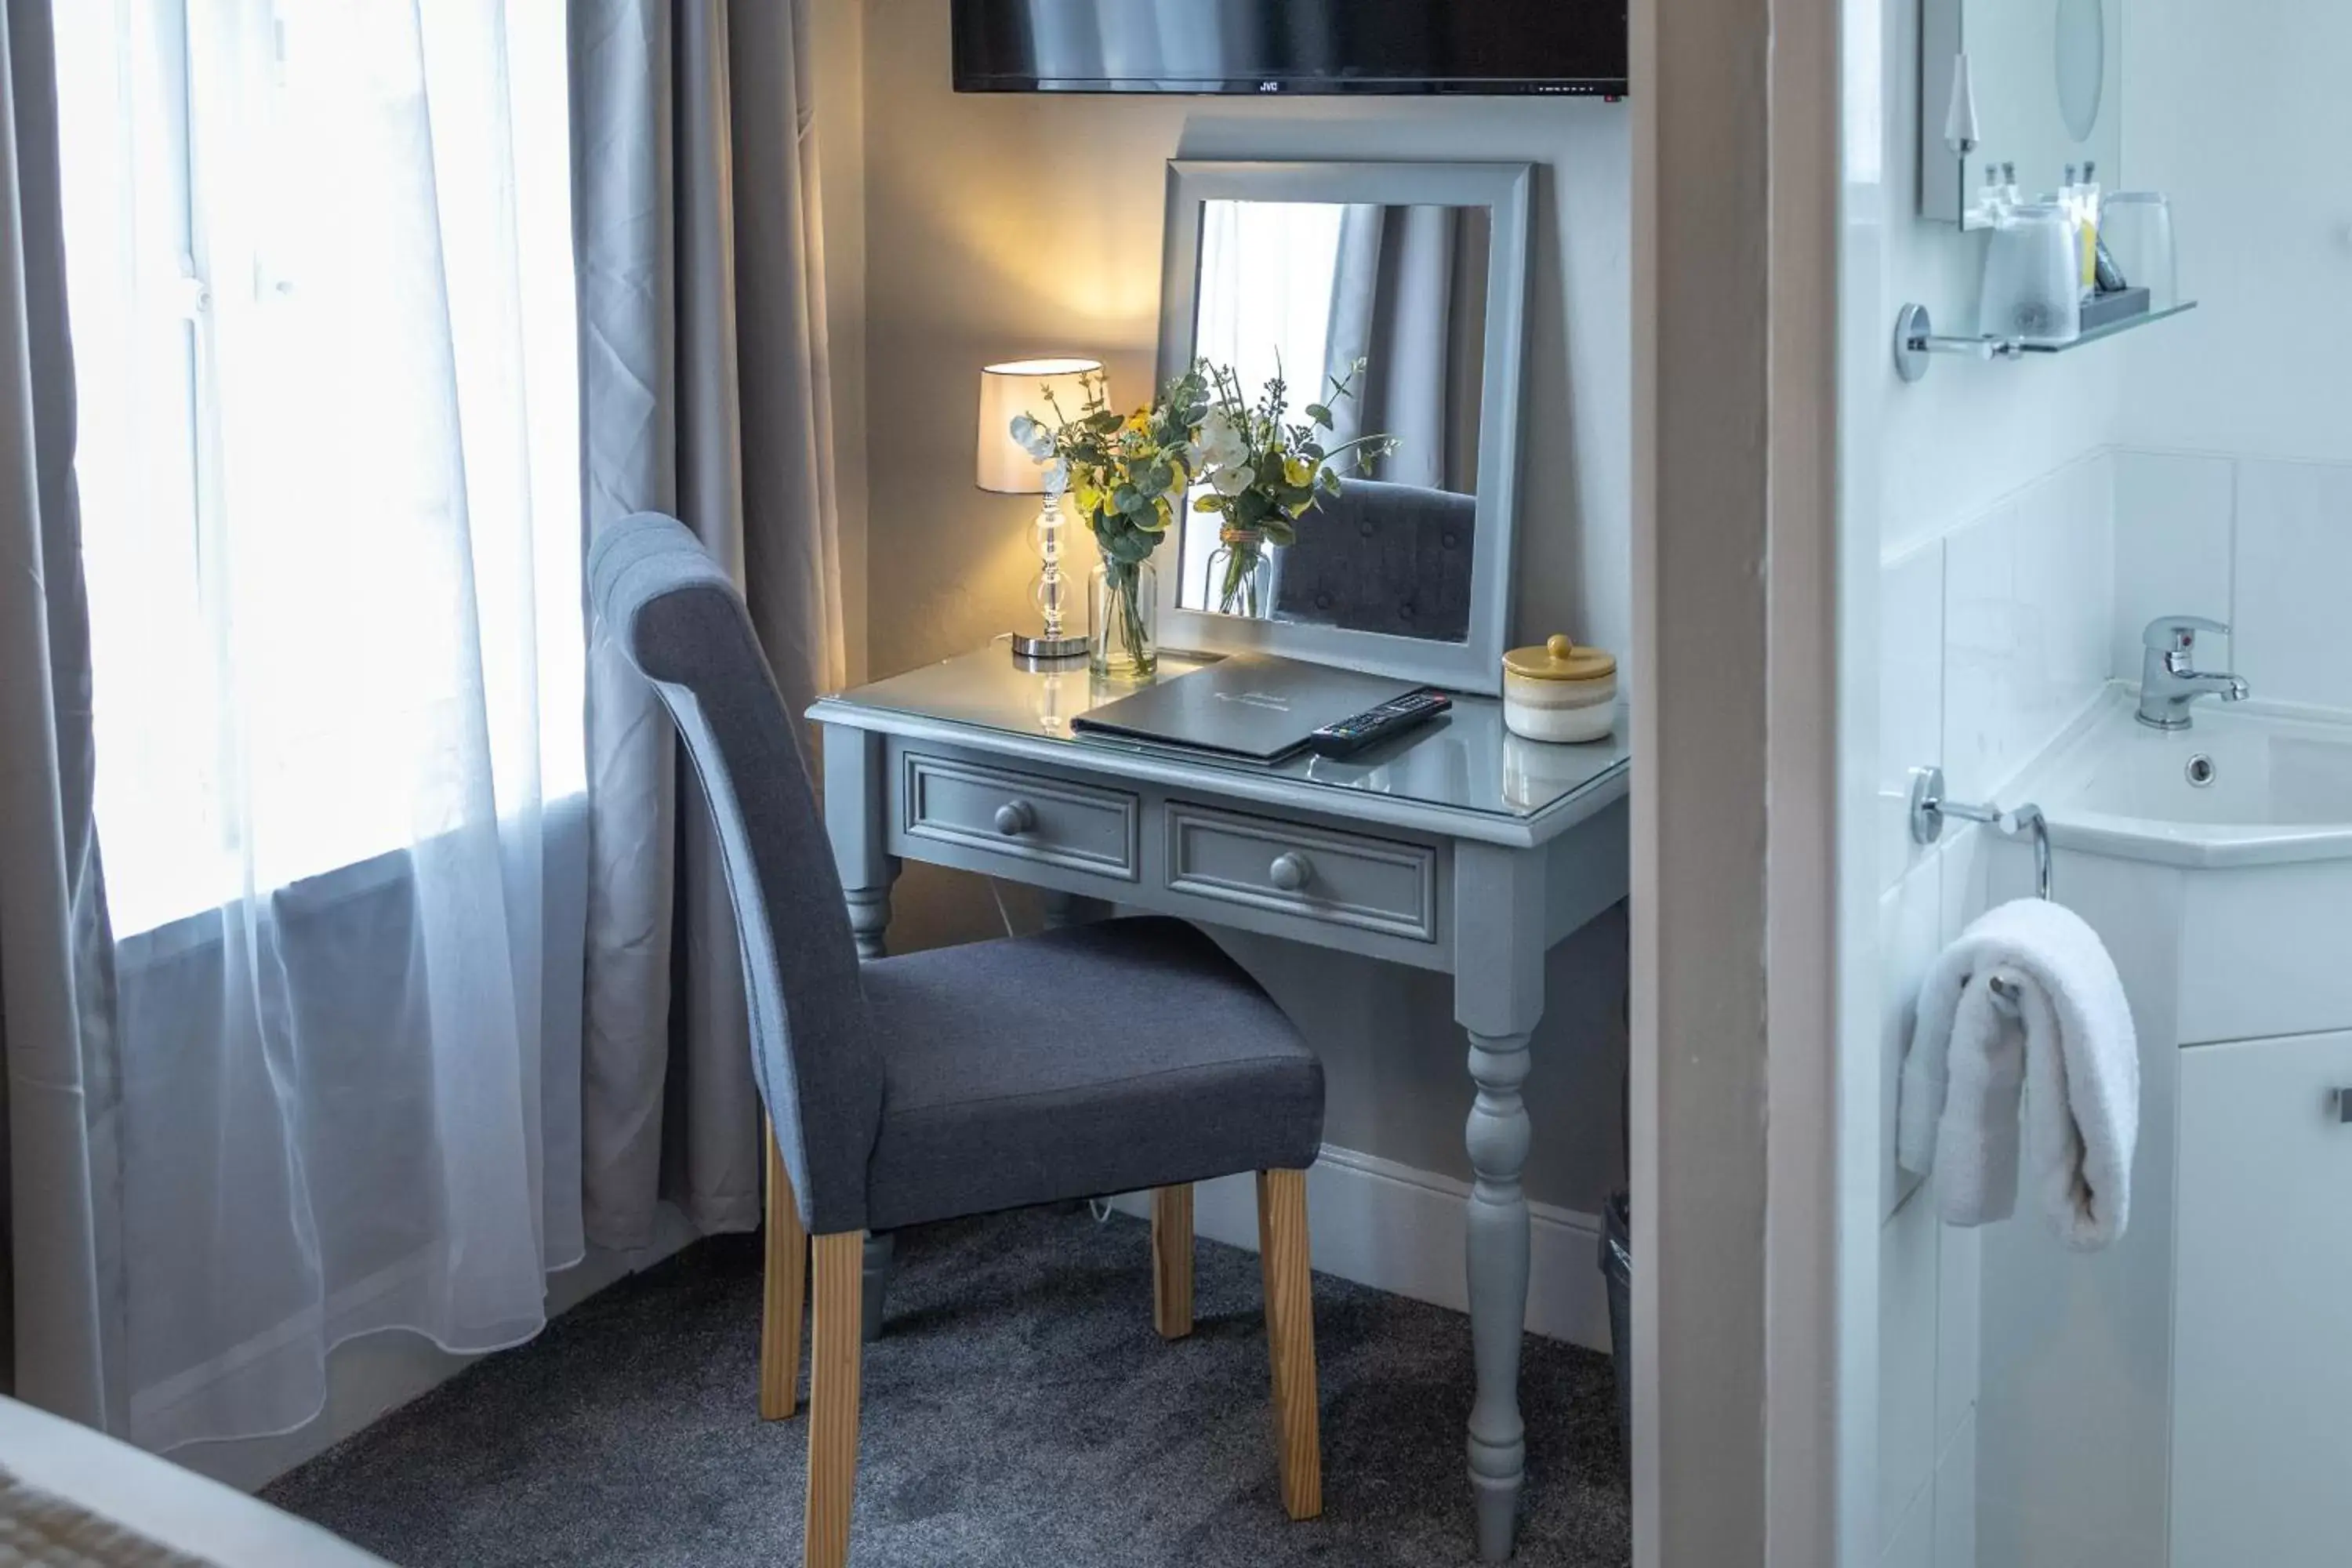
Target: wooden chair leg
1171 1261
836 1340
785 1293
1290 1336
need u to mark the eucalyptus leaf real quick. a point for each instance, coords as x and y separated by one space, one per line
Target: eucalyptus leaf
1321 415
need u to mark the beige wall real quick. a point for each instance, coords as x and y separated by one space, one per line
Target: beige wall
996 226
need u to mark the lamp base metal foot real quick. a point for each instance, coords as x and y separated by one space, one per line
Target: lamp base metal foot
1028 649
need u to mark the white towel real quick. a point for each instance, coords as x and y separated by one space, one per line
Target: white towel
2069 1048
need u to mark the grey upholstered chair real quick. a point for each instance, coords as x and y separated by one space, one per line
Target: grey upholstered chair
1379 557
1112 1058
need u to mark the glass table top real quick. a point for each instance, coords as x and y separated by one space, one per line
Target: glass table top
1465 761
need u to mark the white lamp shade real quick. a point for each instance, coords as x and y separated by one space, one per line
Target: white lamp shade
1017 387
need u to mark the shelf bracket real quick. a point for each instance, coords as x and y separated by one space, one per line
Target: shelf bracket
1916 339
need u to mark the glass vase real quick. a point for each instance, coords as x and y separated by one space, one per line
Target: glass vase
1124 599
1240 577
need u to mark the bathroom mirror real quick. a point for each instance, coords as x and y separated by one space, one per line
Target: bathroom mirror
2045 80
1406 284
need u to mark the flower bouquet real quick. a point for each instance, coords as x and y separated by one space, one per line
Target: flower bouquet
1263 473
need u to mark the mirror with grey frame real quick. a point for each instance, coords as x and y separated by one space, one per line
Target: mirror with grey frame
1392 297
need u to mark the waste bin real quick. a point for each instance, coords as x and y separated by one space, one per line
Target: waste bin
1617 1267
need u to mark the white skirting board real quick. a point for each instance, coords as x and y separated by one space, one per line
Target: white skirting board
1402 1230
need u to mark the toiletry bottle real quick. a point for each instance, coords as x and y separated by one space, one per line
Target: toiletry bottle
2070 203
2086 204
1989 201
2009 194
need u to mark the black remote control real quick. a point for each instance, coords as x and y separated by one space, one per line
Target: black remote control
1374 725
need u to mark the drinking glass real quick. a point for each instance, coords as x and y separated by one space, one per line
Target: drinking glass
2137 228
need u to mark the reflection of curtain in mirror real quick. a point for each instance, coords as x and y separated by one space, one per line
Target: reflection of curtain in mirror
1267 272
1409 295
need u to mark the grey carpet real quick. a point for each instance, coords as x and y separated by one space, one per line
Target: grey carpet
1019 1411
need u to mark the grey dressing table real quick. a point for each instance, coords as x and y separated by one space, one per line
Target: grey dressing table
1457 848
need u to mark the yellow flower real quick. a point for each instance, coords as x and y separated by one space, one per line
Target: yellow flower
1139 419
1299 471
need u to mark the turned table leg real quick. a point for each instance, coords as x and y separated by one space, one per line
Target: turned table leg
1498 1137
1500 936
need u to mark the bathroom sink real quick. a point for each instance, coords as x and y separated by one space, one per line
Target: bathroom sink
2237 788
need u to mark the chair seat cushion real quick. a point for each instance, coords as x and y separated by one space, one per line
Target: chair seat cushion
1100 1058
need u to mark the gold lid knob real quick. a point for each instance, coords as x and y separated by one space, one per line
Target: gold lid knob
1559 658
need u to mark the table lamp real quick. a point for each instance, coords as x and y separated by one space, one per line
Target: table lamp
1036 387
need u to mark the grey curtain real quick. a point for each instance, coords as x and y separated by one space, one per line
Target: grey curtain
57 976
1409 295
705 395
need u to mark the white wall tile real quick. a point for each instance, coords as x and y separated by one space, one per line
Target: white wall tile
1959 1316
1956 1500
1967 857
1907 1361
1914 1544
1910 934
1910 696
1987 635
2294 570
2173 519
2029 607
2072 519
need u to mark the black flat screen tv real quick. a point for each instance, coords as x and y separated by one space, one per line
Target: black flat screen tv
1574 48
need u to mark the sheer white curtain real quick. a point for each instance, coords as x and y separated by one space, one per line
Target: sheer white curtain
1268 271
321 296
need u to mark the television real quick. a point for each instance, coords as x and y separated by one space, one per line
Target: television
1273 48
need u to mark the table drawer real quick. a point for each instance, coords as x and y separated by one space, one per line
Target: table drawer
1025 816
1373 884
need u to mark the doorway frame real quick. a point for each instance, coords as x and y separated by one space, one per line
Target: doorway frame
1754 1323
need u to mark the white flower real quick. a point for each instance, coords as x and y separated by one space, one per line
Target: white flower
1221 442
1233 481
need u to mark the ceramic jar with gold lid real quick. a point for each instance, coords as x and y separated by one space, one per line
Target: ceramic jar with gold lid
1560 691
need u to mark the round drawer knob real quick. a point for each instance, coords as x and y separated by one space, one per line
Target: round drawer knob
1291 871
1015 817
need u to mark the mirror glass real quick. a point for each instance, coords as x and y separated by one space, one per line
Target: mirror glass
2047 85
1377 317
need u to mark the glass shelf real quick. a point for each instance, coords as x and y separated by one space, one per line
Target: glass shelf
2112 328
1915 339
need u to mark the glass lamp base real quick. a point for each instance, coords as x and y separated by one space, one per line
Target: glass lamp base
1030 647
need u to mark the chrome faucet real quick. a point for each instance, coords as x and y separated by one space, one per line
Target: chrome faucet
2169 679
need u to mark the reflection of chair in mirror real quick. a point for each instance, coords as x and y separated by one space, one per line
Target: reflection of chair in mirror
1379 557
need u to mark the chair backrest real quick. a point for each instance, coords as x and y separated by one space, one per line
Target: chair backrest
1379 557
681 622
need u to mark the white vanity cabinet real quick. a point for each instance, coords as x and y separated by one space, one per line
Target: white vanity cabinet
2262 1415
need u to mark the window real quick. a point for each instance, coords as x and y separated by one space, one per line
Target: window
319 270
